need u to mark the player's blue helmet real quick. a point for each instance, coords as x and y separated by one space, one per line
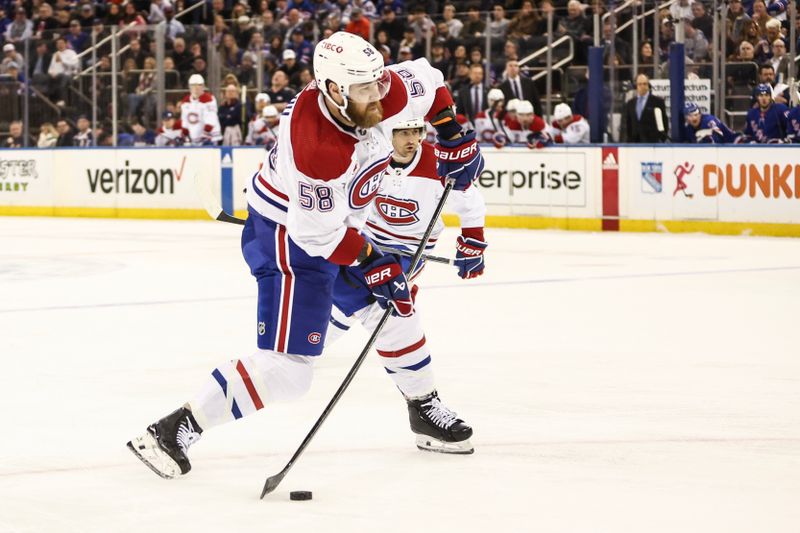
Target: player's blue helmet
763 88
690 108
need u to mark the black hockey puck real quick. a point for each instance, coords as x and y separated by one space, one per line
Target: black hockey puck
300 495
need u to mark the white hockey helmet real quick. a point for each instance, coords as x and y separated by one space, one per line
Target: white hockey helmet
197 79
269 111
262 97
354 65
410 124
524 107
512 105
495 95
561 112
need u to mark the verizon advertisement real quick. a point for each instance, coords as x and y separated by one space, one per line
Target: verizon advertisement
727 184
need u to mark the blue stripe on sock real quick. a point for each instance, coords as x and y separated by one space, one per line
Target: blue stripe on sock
419 365
221 380
237 414
339 324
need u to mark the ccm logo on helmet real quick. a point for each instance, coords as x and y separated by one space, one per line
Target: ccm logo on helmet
333 48
447 155
397 212
364 188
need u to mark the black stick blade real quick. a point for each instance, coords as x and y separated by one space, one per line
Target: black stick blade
271 484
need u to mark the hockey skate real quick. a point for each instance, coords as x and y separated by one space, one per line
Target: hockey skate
164 445
437 427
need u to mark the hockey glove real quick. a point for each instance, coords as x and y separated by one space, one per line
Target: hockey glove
469 257
538 140
388 284
459 159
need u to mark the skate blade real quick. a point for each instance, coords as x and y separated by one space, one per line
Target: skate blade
429 444
147 450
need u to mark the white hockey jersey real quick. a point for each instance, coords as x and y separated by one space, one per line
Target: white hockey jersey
175 136
199 117
576 132
321 177
407 199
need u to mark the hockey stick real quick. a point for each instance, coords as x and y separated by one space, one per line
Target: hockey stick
215 211
273 481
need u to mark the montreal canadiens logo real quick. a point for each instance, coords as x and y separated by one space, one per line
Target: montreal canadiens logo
364 188
314 337
397 212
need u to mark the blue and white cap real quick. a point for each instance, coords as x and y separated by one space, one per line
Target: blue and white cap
763 88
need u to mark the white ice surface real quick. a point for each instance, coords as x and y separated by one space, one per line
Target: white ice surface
616 383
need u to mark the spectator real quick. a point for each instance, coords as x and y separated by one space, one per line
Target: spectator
230 53
172 78
498 27
15 138
199 114
132 20
136 53
246 72
142 101
86 16
734 28
300 46
84 136
681 10
64 133
780 61
404 54
182 57
292 67
4 20
63 66
199 66
646 58
48 136
454 25
702 20
142 136
156 14
173 28
520 87
21 28
269 27
645 116
171 133
279 92
10 55
392 25
77 38
359 24
577 26
764 46
438 58
526 23
230 117
471 99
475 26
113 15
741 76
760 16
293 21
695 43
243 31
421 23
459 77
44 24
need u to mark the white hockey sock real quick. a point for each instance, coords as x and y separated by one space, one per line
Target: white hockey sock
403 351
243 386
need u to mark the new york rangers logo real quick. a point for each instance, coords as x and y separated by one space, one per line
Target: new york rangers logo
651 176
364 188
397 212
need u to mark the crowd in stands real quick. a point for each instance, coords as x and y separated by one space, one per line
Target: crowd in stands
280 35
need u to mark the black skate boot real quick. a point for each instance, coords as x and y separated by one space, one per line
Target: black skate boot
164 445
437 428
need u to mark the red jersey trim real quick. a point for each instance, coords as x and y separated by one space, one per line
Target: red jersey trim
348 249
321 150
397 97
426 166
473 233
441 100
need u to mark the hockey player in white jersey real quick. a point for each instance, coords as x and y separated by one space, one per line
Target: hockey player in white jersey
398 218
568 128
307 207
199 113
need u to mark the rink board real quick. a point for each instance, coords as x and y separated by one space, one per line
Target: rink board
713 189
